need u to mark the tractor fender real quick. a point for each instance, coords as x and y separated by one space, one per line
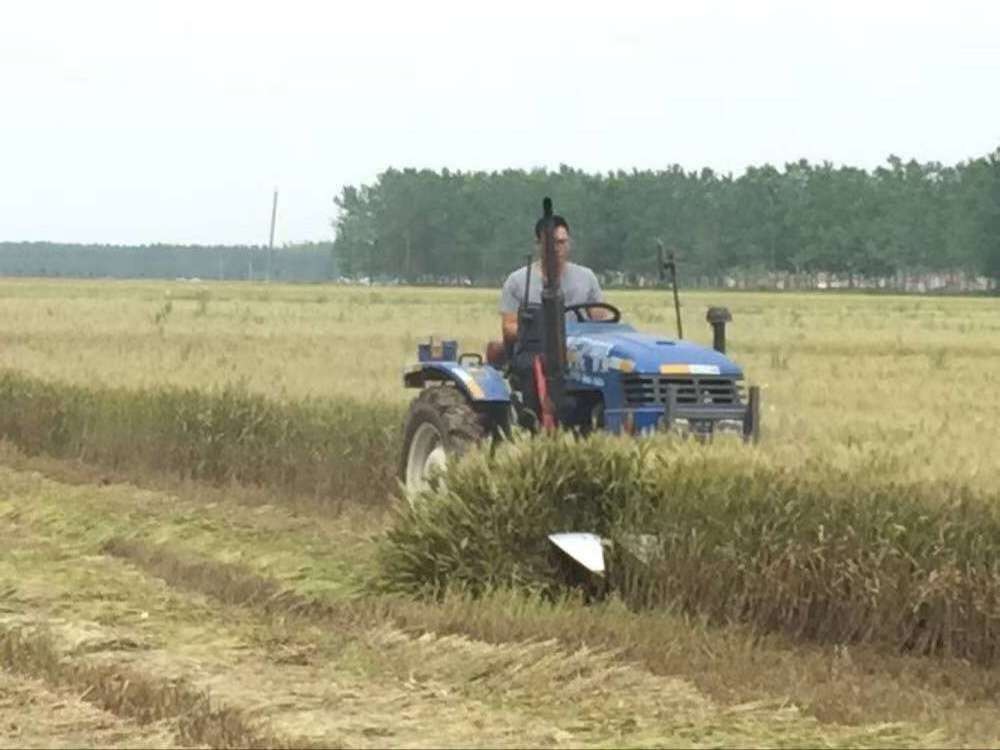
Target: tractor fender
481 383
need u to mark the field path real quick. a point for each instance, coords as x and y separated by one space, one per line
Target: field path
245 618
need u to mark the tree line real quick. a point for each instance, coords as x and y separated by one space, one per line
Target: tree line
307 261
902 217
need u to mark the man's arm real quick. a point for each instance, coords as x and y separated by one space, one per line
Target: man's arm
509 304
594 294
508 325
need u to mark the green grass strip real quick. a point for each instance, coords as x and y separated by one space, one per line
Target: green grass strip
337 449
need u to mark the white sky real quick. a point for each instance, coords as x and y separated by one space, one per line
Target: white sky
148 121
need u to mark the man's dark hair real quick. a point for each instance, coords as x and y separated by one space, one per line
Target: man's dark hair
557 221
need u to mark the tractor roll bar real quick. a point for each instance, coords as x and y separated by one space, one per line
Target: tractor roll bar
553 312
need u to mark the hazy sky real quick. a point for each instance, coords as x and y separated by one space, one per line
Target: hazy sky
146 121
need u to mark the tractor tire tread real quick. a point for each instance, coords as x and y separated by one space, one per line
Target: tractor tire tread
463 426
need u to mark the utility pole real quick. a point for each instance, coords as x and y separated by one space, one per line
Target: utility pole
406 272
270 242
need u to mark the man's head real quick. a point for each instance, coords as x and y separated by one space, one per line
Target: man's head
560 236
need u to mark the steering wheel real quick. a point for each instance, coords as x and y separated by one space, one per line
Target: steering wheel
578 310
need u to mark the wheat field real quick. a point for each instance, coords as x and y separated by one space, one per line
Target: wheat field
911 382
148 602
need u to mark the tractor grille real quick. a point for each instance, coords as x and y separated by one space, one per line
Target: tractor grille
692 389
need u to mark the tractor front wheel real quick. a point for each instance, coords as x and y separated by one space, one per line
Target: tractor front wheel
441 425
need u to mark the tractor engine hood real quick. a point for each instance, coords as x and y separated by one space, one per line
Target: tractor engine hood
594 347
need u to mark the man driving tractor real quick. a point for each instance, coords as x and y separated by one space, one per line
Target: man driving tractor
579 283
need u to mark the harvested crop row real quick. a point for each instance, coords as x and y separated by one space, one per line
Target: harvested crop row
131 694
276 569
34 714
331 449
638 707
234 585
337 686
822 554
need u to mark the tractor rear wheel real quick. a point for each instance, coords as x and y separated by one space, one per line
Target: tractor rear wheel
441 425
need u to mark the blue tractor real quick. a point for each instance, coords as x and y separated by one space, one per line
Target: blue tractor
567 370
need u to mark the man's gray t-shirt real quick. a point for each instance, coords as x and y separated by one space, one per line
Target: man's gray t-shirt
579 285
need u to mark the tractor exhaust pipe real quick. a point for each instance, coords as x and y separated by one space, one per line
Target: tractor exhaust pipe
717 317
